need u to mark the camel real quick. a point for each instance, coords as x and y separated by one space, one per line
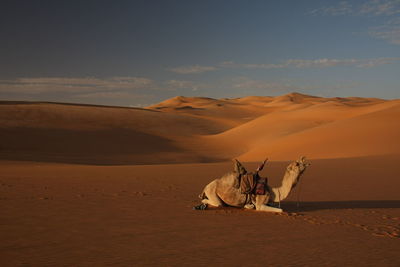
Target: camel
223 191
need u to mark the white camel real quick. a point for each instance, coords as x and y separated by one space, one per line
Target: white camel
224 190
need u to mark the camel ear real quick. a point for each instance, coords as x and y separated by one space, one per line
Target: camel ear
302 160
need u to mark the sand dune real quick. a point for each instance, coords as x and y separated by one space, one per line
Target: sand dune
324 130
192 129
59 208
228 112
92 134
374 133
313 126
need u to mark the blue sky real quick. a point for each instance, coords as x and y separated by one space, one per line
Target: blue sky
135 53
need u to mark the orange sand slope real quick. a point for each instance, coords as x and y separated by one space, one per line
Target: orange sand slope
141 215
194 129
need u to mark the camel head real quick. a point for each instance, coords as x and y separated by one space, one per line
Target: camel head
296 169
302 164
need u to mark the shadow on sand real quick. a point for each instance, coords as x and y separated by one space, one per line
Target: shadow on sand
334 205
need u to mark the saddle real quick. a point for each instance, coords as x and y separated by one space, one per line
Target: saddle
249 183
252 183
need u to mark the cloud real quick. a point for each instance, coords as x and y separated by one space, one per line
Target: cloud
389 32
380 7
61 84
387 9
314 63
108 95
372 7
193 69
231 64
318 63
377 62
290 63
179 84
342 8
250 84
247 86
128 82
324 63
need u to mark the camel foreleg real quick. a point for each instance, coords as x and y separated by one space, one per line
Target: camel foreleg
261 204
268 208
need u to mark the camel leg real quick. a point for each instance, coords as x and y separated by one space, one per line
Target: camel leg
268 208
211 194
249 206
261 201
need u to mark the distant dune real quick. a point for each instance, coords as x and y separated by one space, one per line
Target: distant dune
198 129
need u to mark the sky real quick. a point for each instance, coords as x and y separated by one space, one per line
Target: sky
137 53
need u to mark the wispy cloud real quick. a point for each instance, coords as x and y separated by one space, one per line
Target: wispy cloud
387 9
389 32
377 62
372 7
231 64
342 8
247 86
61 84
181 84
108 95
269 86
192 69
315 63
319 63
380 7
297 63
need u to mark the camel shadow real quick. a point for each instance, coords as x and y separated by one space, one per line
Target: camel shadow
291 206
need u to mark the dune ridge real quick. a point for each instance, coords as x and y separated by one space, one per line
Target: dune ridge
200 129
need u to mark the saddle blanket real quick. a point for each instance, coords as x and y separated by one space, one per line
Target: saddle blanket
252 184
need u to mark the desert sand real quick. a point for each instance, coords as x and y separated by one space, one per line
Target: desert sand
85 185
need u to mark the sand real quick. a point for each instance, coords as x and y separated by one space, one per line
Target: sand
88 185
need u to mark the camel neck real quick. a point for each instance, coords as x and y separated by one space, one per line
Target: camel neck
288 182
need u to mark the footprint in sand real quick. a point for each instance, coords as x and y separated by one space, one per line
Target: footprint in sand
140 194
381 230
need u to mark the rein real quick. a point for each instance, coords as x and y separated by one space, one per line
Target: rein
279 198
298 194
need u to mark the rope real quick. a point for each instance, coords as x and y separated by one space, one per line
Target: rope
279 198
298 194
